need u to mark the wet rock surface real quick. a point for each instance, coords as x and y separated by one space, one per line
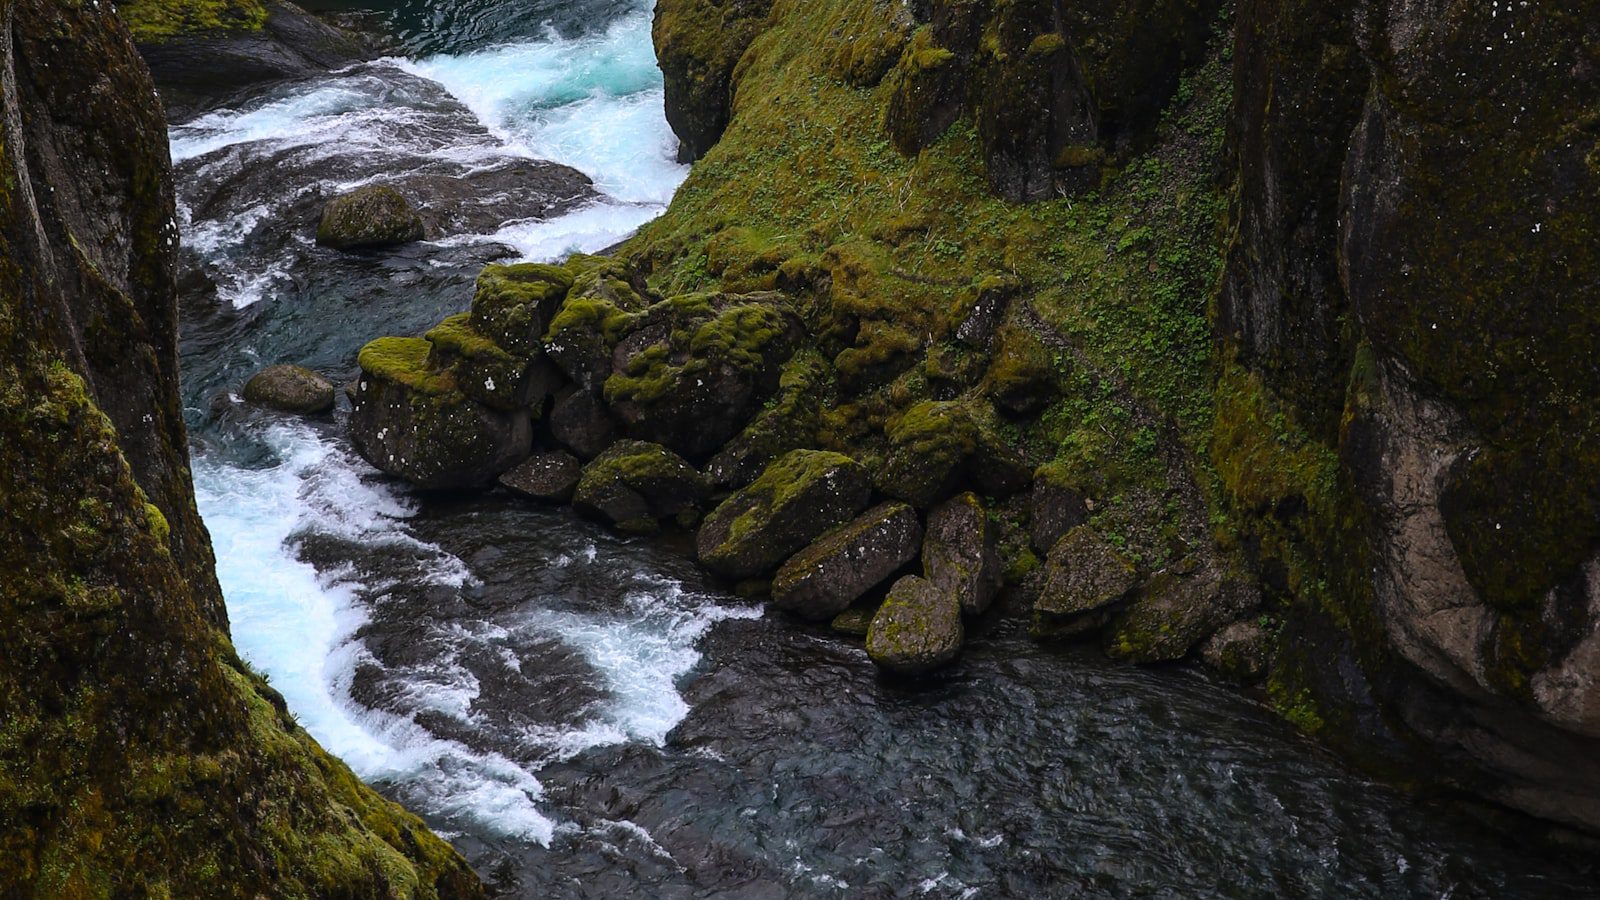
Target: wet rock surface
551 477
290 388
370 218
821 581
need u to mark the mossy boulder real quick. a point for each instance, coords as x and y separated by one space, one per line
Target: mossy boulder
697 367
787 423
936 446
796 500
822 580
635 485
929 446
1242 651
1055 507
961 553
369 218
1173 613
514 305
601 308
1086 579
482 370
917 629
413 422
551 476
292 389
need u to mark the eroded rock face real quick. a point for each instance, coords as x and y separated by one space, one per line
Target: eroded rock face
142 758
821 581
698 43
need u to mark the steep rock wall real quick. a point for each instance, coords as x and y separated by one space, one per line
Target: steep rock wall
138 755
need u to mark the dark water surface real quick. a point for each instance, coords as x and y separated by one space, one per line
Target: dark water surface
588 716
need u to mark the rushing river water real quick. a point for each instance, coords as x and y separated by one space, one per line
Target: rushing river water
585 715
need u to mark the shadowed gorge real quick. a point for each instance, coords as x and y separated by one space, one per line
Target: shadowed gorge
817 448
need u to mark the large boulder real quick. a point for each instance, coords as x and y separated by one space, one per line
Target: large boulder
796 500
822 580
1054 508
551 477
293 389
413 422
369 218
696 368
936 446
580 421
634 485
1085 580
917 630
1173 613
960 553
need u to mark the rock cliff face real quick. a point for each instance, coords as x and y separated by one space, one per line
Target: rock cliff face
138 755
1373 401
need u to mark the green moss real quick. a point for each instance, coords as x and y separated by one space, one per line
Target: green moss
405 361
159 21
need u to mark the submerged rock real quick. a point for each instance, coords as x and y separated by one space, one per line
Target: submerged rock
917 630
1084 578
797 499
369 218
289 388
413 422
961 555
634 485
823 580
551 477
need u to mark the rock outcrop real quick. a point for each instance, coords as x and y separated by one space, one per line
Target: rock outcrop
141 757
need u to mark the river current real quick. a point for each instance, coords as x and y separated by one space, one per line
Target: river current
587 716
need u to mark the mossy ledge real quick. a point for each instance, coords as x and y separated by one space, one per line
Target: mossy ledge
138 755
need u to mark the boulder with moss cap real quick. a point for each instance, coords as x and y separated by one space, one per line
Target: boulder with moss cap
796 500
697 367
413 422
369 218
917 630
634 485
822 580
293 389
1085 580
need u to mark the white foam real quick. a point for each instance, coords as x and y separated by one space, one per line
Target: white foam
298 627
640 652
592 102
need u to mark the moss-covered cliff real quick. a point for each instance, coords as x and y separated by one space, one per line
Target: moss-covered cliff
138 755
1312 309
1261 329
